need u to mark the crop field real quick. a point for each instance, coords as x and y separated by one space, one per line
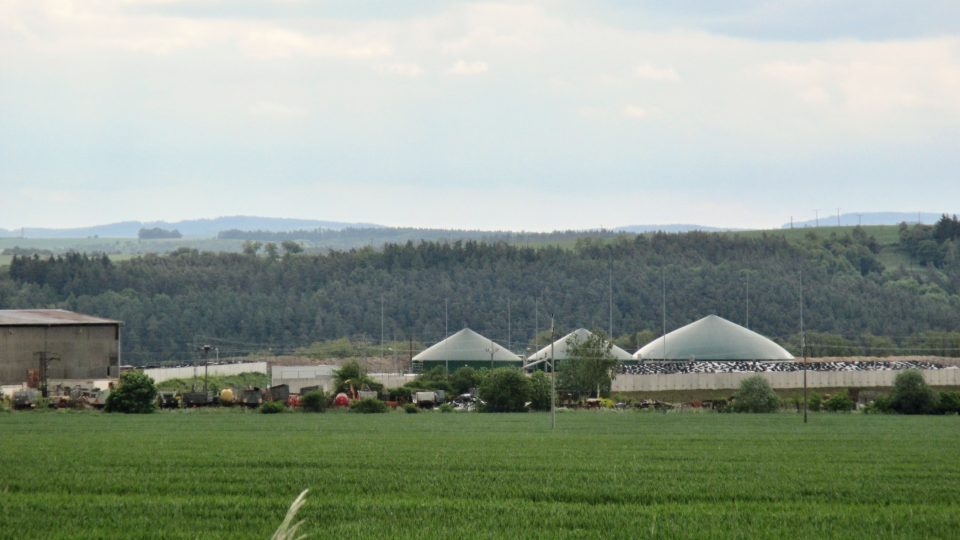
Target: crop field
232 474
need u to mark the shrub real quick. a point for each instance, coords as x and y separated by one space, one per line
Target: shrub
840 402
756 396
949 403
540 391
879 405
464 379
314 401
911 395
135 393
504 390
446 407
410 408
400 394
815 403
273 407
368 405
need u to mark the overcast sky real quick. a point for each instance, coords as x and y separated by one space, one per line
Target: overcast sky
536 116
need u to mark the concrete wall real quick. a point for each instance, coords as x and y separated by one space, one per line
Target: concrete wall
165 374
85 351
815 379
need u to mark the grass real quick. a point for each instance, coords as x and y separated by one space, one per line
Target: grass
232 474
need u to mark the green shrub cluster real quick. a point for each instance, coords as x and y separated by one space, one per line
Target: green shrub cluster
839 402
446 408
135 393
368 405
504 389
756 396
410 408
272 407
314 401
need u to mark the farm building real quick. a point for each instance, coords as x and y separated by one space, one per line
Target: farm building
712 338
466 348
77 346
561 348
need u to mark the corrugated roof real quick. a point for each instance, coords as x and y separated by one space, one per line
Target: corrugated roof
48 317
560 348
466 346
713 338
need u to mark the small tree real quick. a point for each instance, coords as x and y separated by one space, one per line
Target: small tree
463 379
589 367
756 396
351 373
815 403
911 395
504 390
368 405
540 391
135 393
314 401
839 402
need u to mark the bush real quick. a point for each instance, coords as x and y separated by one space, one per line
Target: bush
446 407
410 408
464 379
401 394
879 405
314 401
368 405
911 395
540 391
840 402
273 407
815 403
504 390
949 403
756 396
135 393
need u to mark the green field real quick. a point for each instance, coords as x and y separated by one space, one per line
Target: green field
231 474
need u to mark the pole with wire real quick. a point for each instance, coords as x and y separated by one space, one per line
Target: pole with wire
803 351
553 379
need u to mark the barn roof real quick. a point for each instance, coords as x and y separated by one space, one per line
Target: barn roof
48 317
466 346
560 347
713 338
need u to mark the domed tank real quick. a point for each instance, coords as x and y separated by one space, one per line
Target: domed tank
341 400
226 396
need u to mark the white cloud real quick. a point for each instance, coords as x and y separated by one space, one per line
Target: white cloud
402 70
656 73
280 111
462 67
636 112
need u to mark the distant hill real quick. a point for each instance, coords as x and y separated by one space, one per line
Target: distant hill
870 218
672 228
191 227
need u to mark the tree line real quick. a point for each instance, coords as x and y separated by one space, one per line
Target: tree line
263 301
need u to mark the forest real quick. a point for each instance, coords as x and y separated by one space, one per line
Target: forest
278 301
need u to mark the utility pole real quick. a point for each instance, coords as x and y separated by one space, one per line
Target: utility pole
838 217
748 301
803 350
44 358
610 302
553 379
817 213
663 309
381 326
446 320
791 222
509 327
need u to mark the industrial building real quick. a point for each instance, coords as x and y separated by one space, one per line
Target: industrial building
561 348
466 348
712 338
70 346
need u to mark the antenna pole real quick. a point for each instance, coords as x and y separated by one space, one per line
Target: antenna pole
663 309
748 301
446 319
803 351
509 328
553 379
610 302
381 327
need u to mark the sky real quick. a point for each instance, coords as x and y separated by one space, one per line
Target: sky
493 115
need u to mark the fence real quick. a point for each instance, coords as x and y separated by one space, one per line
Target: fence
165 374
794 379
